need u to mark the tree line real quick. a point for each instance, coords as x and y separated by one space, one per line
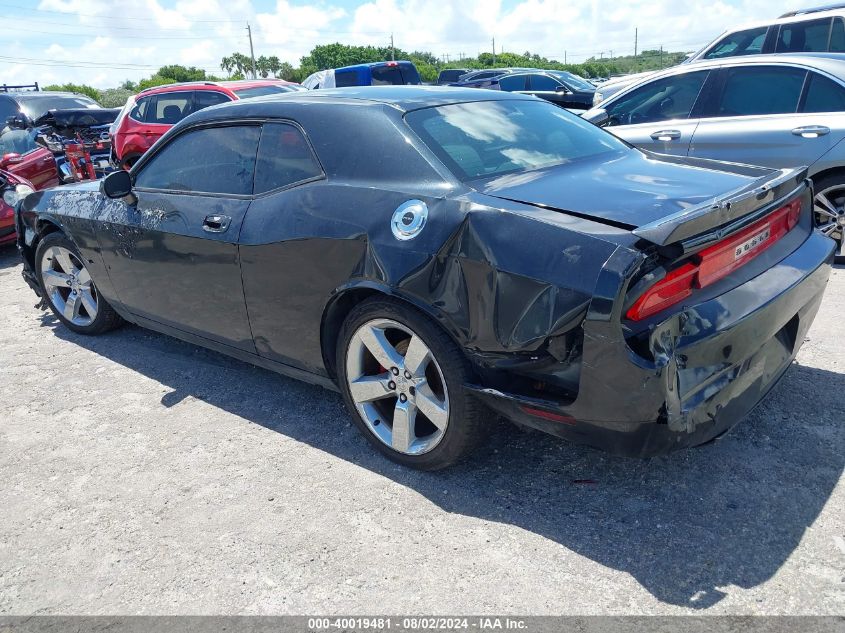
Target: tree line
324 56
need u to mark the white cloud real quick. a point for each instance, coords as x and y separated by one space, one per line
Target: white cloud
123 39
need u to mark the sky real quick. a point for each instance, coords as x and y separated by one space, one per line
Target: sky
104 42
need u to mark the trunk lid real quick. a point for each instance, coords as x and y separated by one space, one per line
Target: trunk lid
663 199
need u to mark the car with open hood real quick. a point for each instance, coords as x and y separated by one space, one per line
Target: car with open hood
436 253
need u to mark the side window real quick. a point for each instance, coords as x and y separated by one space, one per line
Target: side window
169 108
760 90
543 83
799 37
512 83
140 110
345 78
284 158
837 36
410 76
8 108
208 98
211 160
387 76
824 95
749 42
17 141
668 98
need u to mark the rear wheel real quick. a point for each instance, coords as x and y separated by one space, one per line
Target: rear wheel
403 381
68 288
829 210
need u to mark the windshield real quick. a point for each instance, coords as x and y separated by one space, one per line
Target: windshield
574 81
34 107
263 91
492 138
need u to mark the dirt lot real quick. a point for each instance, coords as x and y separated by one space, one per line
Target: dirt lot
144 475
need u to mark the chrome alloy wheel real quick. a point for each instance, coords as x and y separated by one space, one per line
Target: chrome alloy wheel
829 210
68 286
397 386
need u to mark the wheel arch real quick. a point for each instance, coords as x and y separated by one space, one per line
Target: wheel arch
347 297
826 173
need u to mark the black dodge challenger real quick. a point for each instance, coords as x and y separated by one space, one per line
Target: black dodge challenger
437 254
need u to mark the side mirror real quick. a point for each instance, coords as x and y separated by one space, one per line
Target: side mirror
18 122
117 184
597 116
10 159
562 89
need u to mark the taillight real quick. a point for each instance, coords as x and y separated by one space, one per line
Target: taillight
716 262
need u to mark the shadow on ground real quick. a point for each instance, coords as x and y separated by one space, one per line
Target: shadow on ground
686 526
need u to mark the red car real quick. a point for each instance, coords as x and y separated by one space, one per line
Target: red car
22 156
158 109
12 189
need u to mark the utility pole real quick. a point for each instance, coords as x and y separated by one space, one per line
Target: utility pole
661 55
564 58
635 41
392 52
494 51
251 51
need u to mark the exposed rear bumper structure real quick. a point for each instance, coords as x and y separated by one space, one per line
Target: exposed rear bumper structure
711 363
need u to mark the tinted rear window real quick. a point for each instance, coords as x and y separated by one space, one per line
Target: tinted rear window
345 78
824 95
451 75
761 90
804 37
492 138
387 76
284 158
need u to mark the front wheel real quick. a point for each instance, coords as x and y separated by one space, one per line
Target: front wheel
403 380
829 210
68 288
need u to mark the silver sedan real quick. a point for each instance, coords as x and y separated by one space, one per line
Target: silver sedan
772 110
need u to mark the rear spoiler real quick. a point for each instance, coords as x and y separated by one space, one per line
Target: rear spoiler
772 185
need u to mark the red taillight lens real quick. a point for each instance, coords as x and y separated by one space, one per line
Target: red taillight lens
716 262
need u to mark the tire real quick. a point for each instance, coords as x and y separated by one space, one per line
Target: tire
68 288
829 209
436 385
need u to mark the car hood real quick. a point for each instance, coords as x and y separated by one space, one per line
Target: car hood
632 189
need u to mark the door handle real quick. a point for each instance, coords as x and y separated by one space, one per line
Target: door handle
216 223
666 135
811 131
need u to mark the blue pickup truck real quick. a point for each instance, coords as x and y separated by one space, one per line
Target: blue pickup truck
375 74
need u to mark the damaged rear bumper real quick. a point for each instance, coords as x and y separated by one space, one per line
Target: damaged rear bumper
711 363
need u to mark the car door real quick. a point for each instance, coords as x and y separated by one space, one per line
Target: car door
755 117
283 207
21 155
172 253
661 115
549 88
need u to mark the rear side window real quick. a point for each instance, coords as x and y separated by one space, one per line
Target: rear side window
140 110
169 108
346 78
543 83
760 90
664 99
210 160
749 42
387 76
801 37
824 95
284 158
513 83
208 98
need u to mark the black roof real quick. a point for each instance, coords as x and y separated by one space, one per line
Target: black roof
403 98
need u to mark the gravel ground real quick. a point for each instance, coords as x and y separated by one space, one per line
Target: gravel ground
145 475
